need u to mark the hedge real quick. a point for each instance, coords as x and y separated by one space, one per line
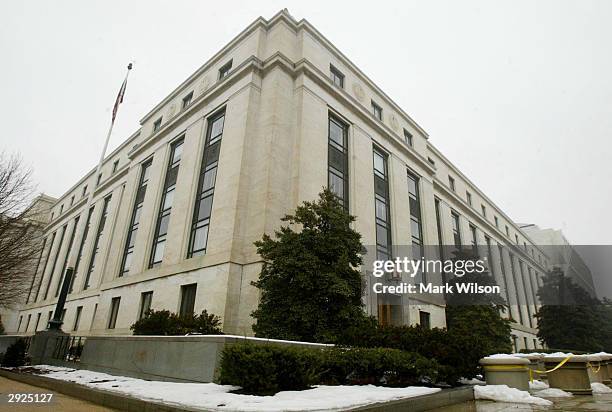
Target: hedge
166 323
267 369
16 354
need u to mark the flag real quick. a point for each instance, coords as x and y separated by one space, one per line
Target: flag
119 99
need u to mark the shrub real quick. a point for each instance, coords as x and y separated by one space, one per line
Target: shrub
265 370
164 322
16 354
259 369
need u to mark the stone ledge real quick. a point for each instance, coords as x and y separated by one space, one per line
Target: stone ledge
123 402
105 398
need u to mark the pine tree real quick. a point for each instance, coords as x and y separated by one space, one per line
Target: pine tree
310 284
569 317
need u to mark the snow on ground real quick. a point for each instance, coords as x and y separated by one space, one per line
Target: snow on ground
473 381
538 385
600 388
503 393
552 393
211 396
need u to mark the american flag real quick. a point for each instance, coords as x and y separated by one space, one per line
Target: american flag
119 99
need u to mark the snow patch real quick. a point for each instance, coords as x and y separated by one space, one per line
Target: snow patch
503 393
211 396
553 393
538 385
600 388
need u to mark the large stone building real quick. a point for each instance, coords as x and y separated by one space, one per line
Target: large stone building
563 255
265 124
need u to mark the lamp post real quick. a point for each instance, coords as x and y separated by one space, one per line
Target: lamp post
55 324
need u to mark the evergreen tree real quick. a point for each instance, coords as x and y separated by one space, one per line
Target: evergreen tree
310 286
570 318
474 321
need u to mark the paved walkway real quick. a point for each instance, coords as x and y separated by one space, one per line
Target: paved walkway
59 401
577 403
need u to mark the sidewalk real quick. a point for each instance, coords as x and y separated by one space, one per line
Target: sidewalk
60 402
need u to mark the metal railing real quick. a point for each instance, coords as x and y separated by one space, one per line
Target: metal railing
69 348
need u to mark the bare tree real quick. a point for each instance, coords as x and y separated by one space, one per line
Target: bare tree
20 229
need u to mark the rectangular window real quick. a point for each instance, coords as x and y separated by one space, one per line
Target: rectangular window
408 138
468 197
61 209
99 236
416 230
496 221
114 311
337 162
382 208
206 185
93 316
474 241
157 124
37 321
28 323
188 295
163 217
225 69
72 200
451 183
49 317
44 269
99 180
115 165
516 288
336 76
84 191
425 319
42 251
145 303
19 324
57 252
77 318
516 239
484 210
187 100
376 110
507 231
81 247
503 273
128 250
456 230
65 264
490 256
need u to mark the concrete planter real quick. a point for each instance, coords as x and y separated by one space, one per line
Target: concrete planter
604 371
511 371
595 369
536 362
572 377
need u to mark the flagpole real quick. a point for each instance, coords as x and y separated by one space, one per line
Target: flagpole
108 135
68 277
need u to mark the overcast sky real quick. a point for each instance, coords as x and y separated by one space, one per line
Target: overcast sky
517 94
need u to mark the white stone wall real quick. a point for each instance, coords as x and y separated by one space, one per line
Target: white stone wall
273 156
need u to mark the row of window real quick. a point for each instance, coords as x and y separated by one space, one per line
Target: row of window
483 210
526 290
200 221
187 305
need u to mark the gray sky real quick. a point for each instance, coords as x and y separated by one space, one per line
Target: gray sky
518 94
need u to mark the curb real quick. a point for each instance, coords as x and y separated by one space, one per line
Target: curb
101 397
124 402
445 397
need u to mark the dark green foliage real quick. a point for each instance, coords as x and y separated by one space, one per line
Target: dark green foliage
16 354
310 287
268 369
571 318
164 322
1 327
475 329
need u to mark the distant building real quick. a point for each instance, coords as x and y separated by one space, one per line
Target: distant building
562 255
265 124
